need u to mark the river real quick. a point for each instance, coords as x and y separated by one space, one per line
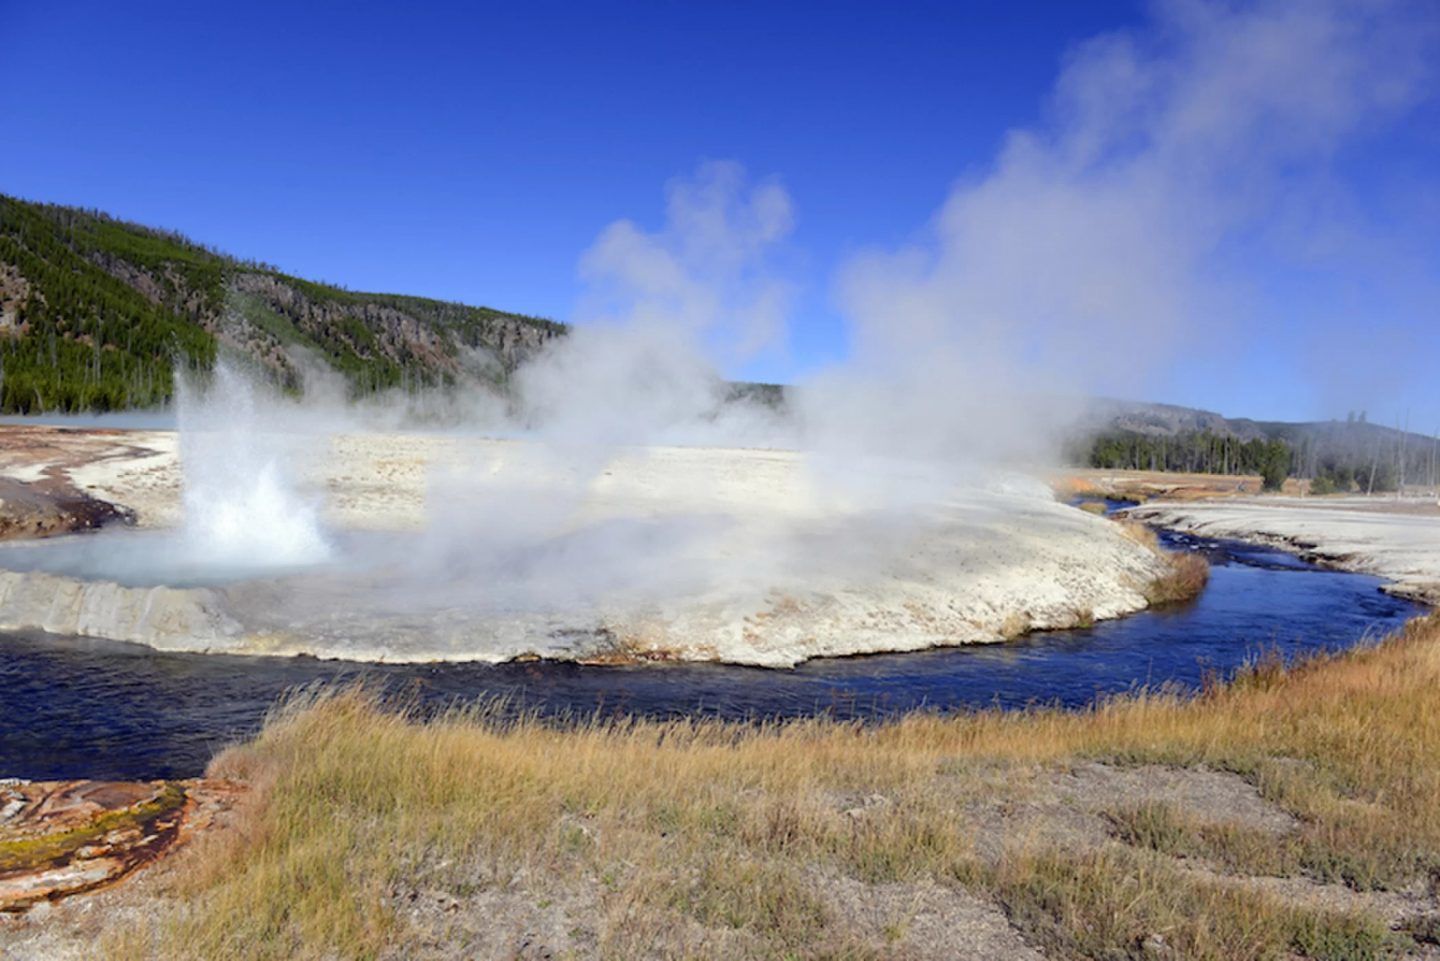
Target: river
76 707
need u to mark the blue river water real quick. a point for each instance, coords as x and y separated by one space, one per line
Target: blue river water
73 707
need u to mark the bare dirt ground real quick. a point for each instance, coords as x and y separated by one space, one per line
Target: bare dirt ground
1006 808
38 498
102 463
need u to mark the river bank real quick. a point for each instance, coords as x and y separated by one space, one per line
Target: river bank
1292 813
1390 538
122 711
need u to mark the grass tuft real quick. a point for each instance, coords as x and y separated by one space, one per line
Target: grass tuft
1185 577
1110 904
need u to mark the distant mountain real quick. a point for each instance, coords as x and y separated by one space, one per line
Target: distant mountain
1166 420
96 312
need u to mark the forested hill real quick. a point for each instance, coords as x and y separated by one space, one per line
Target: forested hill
95 314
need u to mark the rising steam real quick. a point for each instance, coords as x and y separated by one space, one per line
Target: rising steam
1100 243
1094 246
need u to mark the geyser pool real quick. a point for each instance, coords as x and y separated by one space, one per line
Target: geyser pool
151 558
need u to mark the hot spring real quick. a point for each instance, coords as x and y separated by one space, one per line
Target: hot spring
281 533
458 565
294 533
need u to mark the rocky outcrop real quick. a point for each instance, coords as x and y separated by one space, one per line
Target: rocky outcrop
14 291
363 327
268 314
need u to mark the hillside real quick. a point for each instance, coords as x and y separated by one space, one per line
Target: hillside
96 313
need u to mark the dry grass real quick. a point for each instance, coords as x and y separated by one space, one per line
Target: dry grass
1242 850
1112 904
1185 577
1142 534
1145 485
692 839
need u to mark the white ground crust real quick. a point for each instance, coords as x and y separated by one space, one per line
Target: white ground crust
1354 534
741 556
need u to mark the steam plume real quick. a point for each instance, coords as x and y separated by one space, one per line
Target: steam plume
1118 231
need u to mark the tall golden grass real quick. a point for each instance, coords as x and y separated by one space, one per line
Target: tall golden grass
666 829
1184 576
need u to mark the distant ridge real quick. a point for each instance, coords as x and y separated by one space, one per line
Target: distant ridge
1168 420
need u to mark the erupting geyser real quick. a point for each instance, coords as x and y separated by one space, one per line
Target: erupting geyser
241 508
243 515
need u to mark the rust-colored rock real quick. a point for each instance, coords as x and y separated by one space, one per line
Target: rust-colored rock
60 838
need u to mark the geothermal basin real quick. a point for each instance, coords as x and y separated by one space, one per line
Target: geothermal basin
412 547
447 567
85 707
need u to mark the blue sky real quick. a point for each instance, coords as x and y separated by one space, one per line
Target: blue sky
474 151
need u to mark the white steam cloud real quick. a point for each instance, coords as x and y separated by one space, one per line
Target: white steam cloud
663 312
1115 233
1094 246
241 508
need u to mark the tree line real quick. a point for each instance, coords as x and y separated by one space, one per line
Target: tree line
82 339
1202 452
1335 459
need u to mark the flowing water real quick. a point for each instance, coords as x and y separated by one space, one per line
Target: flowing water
73 707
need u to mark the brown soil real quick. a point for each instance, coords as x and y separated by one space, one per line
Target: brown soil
48 503
47 509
